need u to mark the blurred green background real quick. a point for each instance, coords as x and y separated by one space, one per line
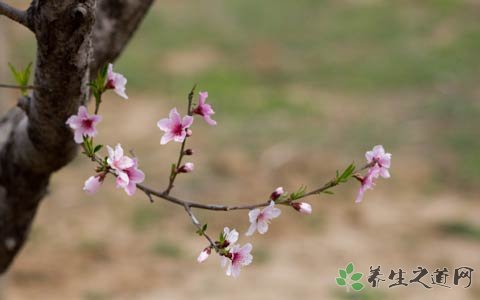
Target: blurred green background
301 88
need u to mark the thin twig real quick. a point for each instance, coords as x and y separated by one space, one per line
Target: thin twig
198 225
14 14
216 207
174 171
18 87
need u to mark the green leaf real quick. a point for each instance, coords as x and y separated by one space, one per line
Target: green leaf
350 268
357 276
221 237
26 74
21 76
328 192
346 174
97 148
357 286
342 273
299 193
15 74
341 281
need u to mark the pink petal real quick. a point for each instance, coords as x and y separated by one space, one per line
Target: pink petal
361 192
122 180
124 162
251 230
369 156
175 116
74 122
246 249
96 118
78 136
164 124
209 120
110 72
136 175
230 235
111 155
167 137
118 151
202 97
262 227
180 138
384 173
187 121
378 150
82 112
130 188
92 185
253 215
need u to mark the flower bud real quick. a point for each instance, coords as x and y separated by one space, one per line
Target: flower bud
277 193
92 184
189 132
188 152
186 168
204 254
302 207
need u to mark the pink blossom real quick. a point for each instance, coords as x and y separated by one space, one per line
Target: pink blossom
381 159
367 182
92 185
204 110
303 207
83 124
129 177
186 168
116 81
204 254
380 164
117 160
259 220
277 193
230 236
174 127
238 257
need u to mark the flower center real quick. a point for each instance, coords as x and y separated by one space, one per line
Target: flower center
177 129
261 217
377 161
110 84
236 257
87 123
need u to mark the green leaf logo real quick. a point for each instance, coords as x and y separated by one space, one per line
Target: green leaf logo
350 279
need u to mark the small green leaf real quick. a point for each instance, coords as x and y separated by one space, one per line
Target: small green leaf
21 76
342 273
15 73
350 268
26 74
357 286
328 192
97 148
299 193
341 281
357 276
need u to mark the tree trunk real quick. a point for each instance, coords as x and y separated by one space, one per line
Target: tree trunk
74 39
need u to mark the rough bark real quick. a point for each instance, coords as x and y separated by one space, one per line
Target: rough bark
74 38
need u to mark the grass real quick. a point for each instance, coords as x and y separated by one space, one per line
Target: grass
461 229
366 52
144 217
167 249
